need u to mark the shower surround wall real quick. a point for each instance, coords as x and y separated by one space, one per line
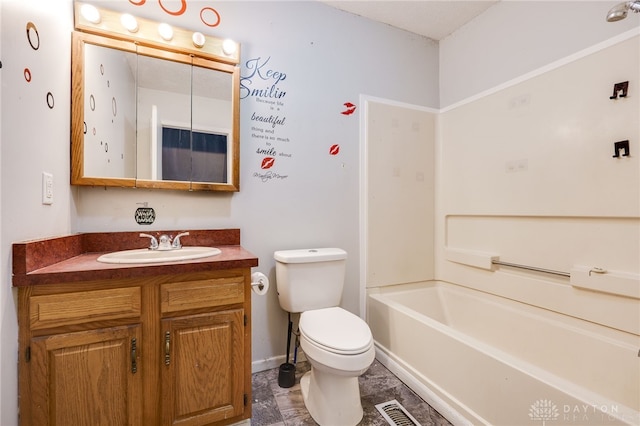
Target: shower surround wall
527 173
531 177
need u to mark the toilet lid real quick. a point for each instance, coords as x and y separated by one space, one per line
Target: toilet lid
336 329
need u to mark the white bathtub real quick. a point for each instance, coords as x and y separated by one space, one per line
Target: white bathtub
483 359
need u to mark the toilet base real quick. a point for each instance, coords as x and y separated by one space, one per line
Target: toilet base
330 399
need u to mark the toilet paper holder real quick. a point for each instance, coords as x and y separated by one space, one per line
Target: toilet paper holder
259 283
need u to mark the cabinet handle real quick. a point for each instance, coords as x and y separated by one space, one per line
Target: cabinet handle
167 348
134 362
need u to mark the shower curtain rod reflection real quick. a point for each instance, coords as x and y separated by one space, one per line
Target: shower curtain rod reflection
531 268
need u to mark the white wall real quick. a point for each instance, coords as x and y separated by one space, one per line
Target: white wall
329 58
34 138
513 38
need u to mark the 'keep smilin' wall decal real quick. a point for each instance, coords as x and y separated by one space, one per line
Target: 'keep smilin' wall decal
264 93
262 87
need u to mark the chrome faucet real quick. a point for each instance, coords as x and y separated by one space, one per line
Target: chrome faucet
176 244
165 242
154 242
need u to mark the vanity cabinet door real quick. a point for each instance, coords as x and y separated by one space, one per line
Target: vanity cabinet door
203 373
87 378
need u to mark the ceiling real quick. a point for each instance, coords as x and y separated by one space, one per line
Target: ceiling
435 19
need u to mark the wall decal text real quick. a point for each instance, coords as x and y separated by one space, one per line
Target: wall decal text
262 89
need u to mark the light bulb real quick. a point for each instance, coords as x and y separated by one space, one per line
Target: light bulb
198 39
165 31
129 22
229 47
91 13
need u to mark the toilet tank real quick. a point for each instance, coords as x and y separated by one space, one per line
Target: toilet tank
309 279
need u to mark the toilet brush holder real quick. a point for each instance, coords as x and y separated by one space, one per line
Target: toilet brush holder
287 375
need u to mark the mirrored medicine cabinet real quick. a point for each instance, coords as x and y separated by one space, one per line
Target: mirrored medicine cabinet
151 110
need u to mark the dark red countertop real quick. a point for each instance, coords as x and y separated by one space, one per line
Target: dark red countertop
74 257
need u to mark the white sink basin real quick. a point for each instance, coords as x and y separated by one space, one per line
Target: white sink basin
155 256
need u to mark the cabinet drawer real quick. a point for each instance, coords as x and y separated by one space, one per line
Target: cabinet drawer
55 310
180 296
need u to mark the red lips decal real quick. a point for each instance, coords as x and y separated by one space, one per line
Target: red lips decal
267 162
351 108
334 150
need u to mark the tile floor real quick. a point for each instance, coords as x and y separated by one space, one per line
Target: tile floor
276 406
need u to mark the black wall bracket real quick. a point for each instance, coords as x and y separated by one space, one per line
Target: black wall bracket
620 90
621 146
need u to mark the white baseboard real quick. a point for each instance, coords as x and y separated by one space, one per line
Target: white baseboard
274 362
440 405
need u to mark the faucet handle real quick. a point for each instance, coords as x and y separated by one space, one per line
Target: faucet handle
176 240
154 241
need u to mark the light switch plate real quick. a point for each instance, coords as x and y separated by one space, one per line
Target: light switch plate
47 188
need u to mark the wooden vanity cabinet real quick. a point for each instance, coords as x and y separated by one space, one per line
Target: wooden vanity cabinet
161 350
203 336
77 379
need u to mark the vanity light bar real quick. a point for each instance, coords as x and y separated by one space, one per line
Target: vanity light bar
110 23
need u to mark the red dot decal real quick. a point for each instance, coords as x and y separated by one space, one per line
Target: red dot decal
334 150
267 162
27 75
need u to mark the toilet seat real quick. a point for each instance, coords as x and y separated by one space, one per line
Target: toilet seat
336 330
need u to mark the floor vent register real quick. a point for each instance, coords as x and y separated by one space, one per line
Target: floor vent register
395 414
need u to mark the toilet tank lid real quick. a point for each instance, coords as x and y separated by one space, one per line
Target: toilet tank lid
310 255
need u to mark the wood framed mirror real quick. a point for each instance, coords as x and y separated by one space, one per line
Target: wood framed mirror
153 113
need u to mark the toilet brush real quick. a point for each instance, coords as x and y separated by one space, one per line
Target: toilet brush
287 373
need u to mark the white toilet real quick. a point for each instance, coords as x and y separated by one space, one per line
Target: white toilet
337 343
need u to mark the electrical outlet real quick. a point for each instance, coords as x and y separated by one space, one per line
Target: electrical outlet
47 188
